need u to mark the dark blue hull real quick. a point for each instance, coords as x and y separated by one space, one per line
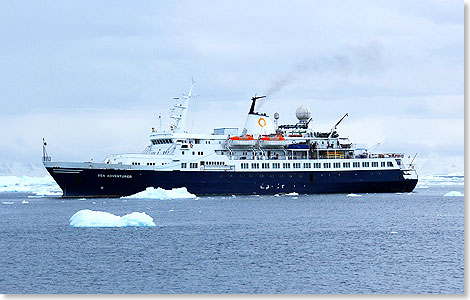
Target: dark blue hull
117 183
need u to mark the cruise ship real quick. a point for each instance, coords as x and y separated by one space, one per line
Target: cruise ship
261 158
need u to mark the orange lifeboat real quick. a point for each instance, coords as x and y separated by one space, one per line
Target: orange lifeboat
242 141
272 141
278 137
243 138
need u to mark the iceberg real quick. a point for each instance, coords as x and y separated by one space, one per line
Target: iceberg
40 186
90 218
152 193
446 180
454 194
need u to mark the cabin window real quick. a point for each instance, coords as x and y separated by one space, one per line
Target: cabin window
276 165
346 165
182 152
255 165
286 165
265 165
317 165
326 165
194 152
389 164
197 141
296 165
337 165
356 164
375 164
244 165
382 164
307 165
193 165
365 164
183 165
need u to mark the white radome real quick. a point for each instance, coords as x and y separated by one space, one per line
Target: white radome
303 113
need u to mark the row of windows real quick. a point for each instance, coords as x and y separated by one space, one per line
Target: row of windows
288 165
212 163
194 153
317 165
162 141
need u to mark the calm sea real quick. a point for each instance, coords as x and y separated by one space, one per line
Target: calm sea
309 244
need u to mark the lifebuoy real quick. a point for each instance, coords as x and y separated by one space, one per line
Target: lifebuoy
191 145
262 122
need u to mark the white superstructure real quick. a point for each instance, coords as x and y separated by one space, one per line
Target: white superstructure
260 146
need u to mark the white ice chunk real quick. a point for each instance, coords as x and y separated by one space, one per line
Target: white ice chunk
152 193
353 195
41 186
90 218
454 194
292 194
25 202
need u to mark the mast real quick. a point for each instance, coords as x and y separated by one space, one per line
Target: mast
180 110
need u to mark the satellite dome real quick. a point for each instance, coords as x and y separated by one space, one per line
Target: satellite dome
303 113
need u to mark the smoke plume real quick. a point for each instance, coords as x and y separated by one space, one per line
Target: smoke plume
364 60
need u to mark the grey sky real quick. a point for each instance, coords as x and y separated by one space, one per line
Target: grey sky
91 76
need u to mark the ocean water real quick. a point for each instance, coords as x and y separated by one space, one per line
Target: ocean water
309 244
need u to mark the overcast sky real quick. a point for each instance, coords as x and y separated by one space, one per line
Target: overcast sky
92 76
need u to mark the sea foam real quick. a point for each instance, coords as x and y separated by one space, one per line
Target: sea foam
353 195
90 218
159 193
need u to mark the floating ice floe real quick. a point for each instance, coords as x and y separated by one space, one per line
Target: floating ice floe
454 194
159 193
292 194
447 179
7 202
25 202
90 218
353 195
40 186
